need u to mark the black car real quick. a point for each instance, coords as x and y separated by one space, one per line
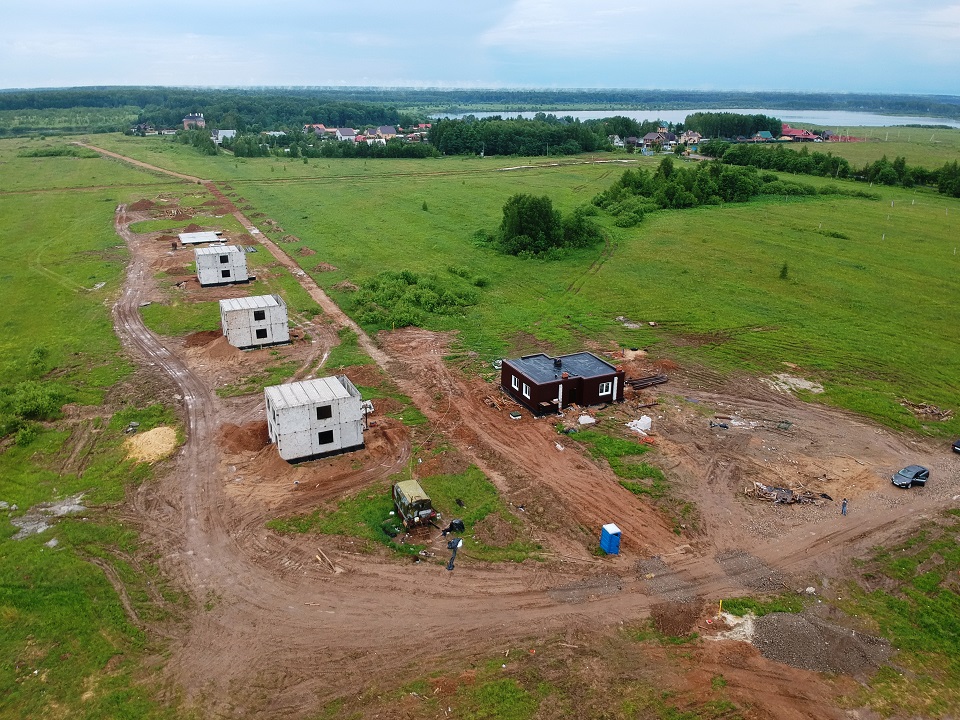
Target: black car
956 446
911 475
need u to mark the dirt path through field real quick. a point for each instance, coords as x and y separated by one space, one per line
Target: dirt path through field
275 632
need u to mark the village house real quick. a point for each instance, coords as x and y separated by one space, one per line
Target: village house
194 121
346 134
797 134
615 140
254 321
318 129
218 136
221 265
762 136
546 385
691 137
315 418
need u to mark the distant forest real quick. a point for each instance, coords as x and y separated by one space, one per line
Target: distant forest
267 108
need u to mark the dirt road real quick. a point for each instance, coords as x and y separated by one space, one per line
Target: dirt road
275 632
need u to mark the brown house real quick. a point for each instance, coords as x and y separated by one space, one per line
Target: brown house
194 120
545 384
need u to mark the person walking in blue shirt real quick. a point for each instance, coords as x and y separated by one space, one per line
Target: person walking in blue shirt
843 507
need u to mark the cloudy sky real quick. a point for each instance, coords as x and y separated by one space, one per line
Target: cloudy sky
893 46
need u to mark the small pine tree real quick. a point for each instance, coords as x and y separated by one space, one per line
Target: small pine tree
424 206
784 272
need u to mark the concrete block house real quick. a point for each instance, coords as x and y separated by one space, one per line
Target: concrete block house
315 418
254 321
221 265
546 385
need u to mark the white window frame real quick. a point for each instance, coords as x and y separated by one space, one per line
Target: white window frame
526 391
514 382
606 388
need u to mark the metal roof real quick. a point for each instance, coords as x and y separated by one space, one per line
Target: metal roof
218 250
541 368
192 238
251 303
307 392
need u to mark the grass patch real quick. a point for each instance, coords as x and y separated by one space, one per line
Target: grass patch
348 353
181 318
274 374
362 516
783 604
909 591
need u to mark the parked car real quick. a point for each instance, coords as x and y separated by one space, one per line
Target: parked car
911 475
956 445
414 505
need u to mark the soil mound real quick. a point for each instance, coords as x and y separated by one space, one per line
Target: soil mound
167 238
151 445
251 437
346 285
676 619
142 205
192 227
200 339
220 349
306 252
325 267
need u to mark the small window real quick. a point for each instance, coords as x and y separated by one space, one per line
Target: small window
325 437
514 382
606 388
224 259
526 390
224 273
261 333
259 314
324 412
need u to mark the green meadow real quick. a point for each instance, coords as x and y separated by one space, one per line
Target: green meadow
67 647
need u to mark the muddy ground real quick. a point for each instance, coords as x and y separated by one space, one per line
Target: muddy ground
277 633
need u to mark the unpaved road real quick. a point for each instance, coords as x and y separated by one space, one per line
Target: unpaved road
275 633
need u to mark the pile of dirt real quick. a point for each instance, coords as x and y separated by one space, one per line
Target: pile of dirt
676 619
325 267
202 338
289 238
250 437
152 445
810 643
306 252
346 285
167 238
220 349
140 205
192 227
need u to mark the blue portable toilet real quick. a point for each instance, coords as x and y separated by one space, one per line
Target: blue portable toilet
610 539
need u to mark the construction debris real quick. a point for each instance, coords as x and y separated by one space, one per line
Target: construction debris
926 411
785 496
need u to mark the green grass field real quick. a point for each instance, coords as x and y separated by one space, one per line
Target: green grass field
67 648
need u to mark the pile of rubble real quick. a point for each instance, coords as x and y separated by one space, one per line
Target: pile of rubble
785 496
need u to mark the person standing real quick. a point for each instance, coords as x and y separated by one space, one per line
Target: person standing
843 507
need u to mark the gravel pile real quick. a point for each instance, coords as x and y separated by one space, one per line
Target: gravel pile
811 643
583 590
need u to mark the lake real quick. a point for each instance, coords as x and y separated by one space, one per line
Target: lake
826 119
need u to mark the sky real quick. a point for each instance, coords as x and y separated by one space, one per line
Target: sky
876 46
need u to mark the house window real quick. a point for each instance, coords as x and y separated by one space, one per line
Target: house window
261 333
224 259
325 437
324 412
514 383
606 388
526 390
259 314
224 273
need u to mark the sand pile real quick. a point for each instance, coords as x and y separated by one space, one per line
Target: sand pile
142 205
152 445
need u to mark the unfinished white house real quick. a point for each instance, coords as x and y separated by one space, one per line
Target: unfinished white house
315 418
221 265
254 321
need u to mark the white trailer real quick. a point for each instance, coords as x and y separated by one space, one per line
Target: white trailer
315 418
254 321
221 265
